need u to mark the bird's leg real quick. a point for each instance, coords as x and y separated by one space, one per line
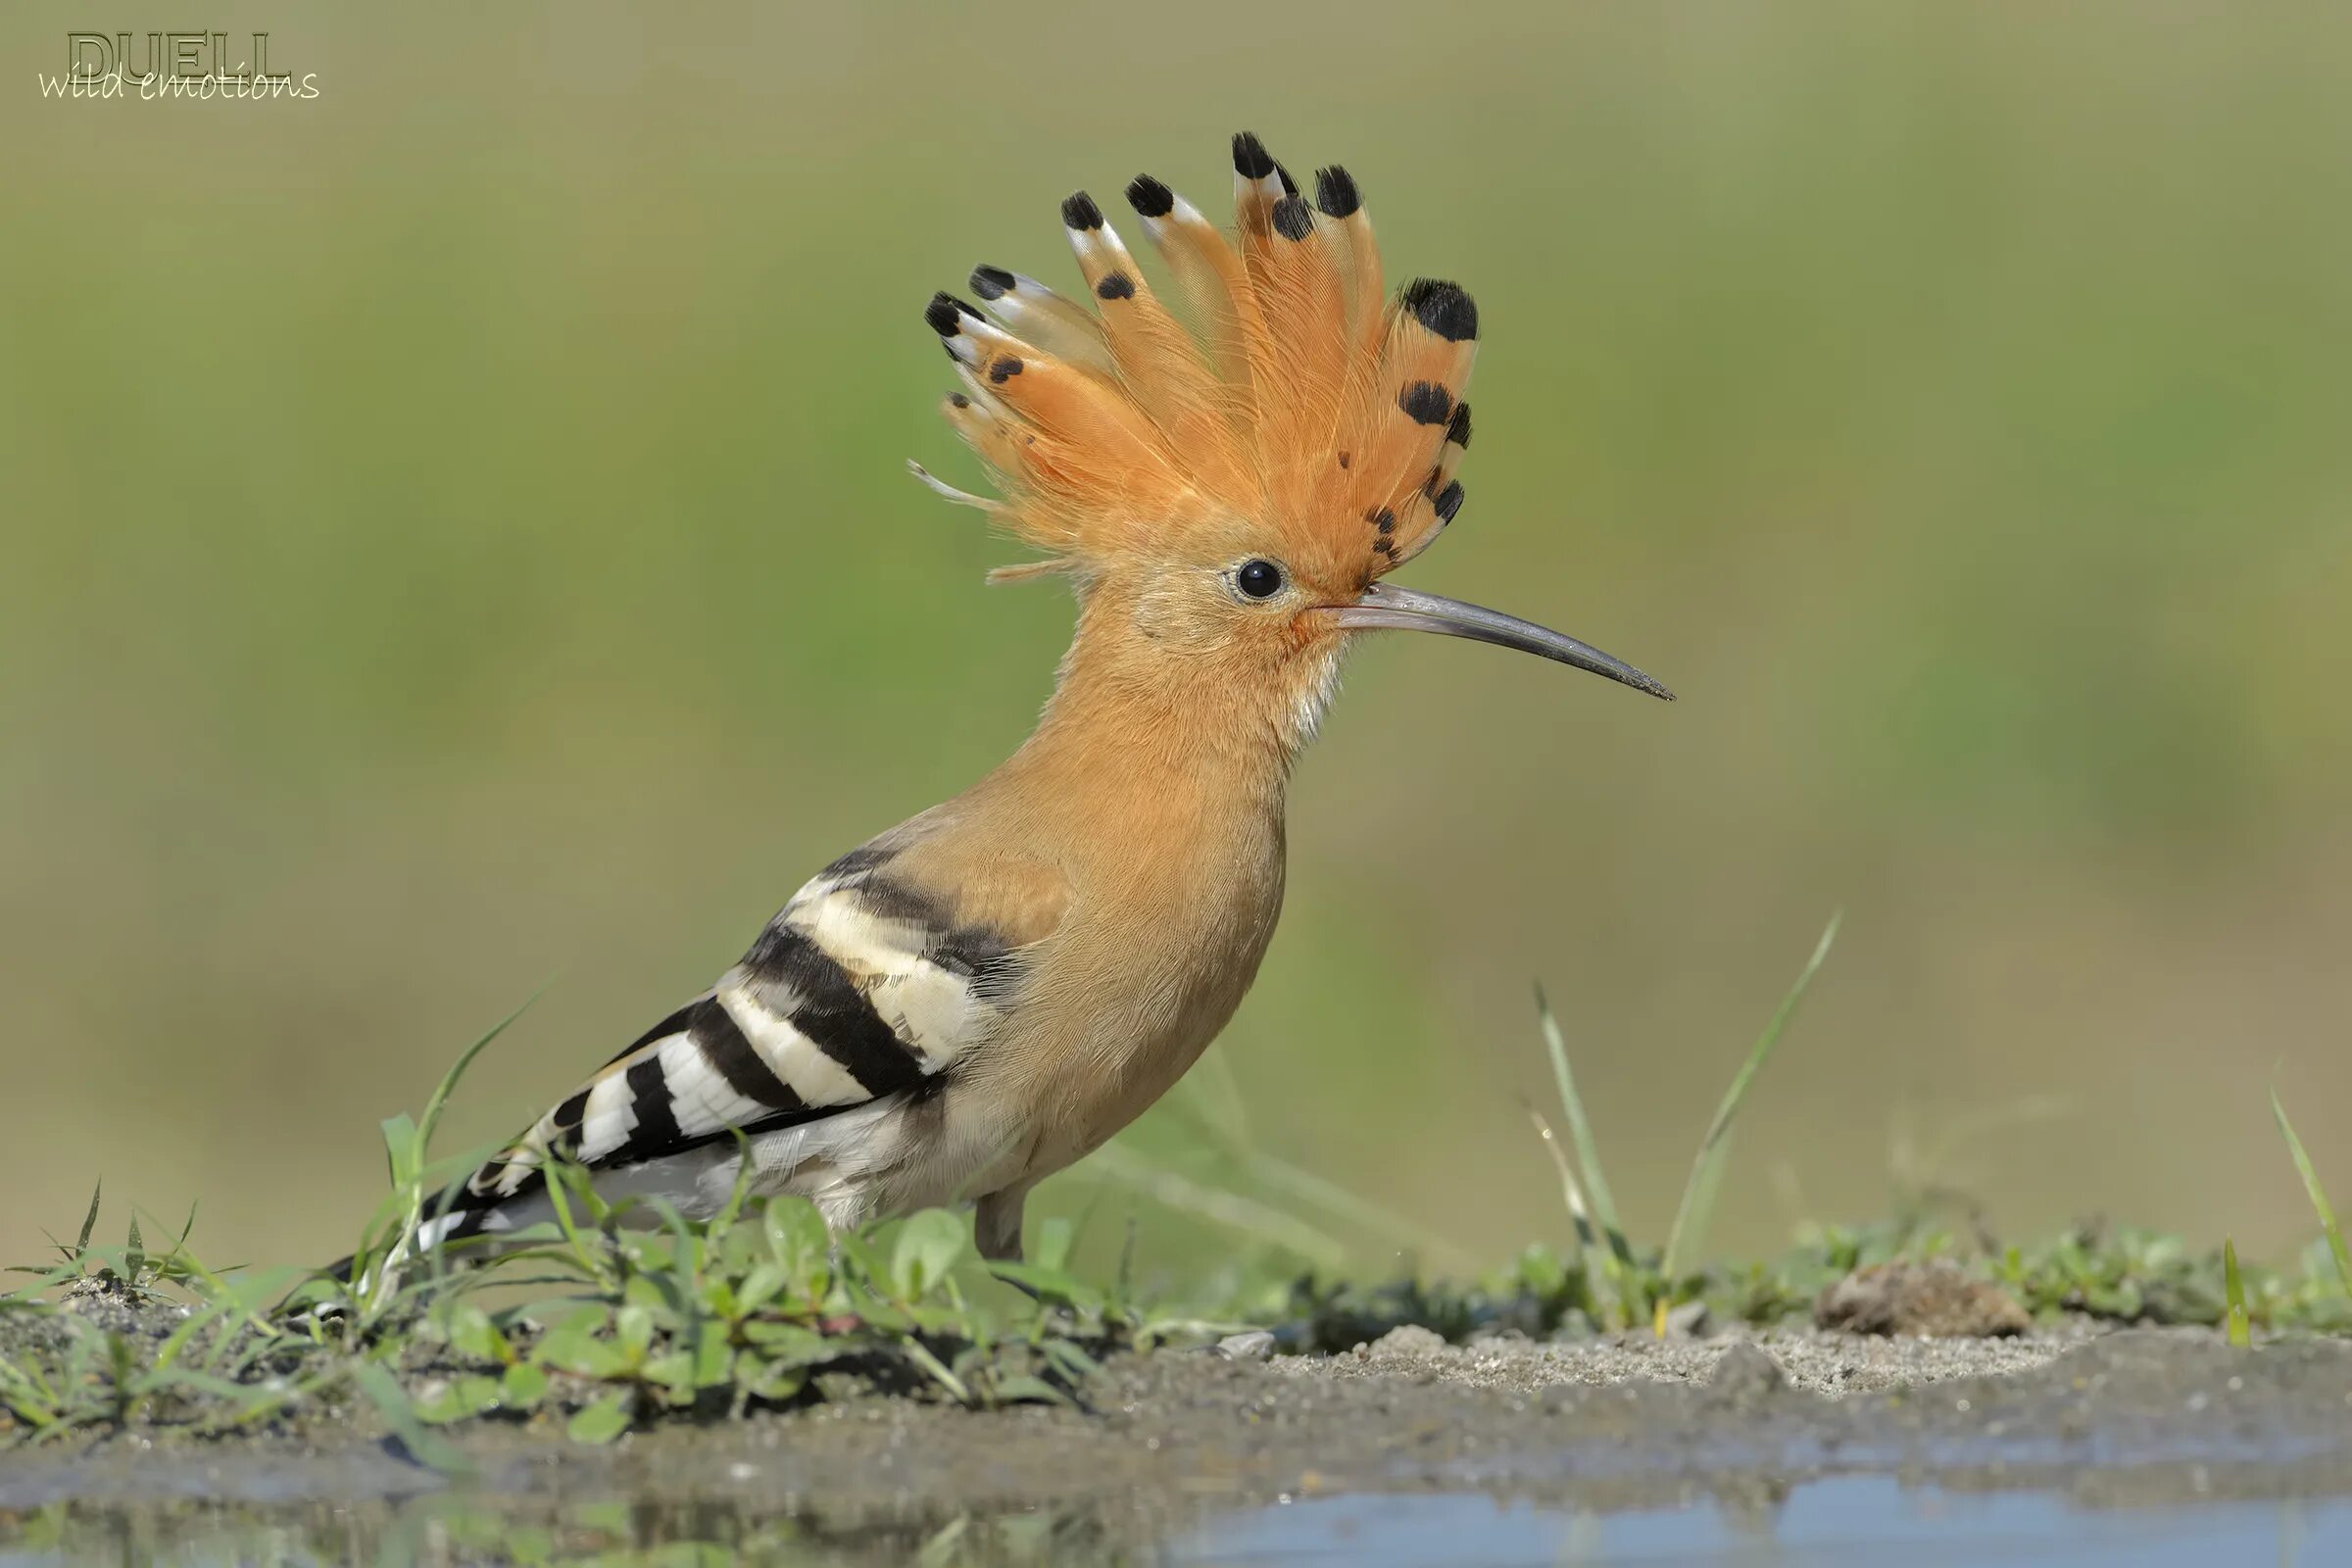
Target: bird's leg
996 1225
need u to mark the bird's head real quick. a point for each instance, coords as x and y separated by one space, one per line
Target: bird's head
1232 494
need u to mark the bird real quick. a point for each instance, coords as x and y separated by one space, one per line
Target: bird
1226 473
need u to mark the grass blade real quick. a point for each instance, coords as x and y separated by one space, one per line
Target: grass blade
1617 1259
89 1221
2319 1194
1580 1227
407 1145
920 1354
1698 1191
2234 1288
400 1145
439 1101
1579 1129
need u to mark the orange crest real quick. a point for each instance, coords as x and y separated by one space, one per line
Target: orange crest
1306 403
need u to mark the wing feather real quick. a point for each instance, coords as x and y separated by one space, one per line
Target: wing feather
864 985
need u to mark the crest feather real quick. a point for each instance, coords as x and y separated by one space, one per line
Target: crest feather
1299 399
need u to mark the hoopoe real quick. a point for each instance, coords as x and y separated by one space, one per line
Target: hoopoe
987 992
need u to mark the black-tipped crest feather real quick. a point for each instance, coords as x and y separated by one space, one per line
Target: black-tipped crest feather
1336 193
1150 198
1441 307
944 312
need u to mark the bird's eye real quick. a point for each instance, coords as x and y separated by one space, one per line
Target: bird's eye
1260 579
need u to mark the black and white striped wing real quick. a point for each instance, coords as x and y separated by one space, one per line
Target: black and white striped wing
858 989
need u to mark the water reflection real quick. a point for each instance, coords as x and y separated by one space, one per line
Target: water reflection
1849 1520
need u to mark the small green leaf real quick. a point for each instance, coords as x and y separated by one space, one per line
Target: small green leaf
759 1287
798 1240
928 1245
770 1381
714 1357
652 1293
580 1353
790 1345
861 1262
633 1330
672 1371
878 1316
472 1335
608 1418
588 1317
460 1400
523 1387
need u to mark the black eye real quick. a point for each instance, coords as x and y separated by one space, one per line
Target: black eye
1260 579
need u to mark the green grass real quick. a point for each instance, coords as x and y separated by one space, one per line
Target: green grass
1598 1281
2119 1275
610 1318
604 1323
1639 1288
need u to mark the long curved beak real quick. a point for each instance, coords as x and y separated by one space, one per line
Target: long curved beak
1388 607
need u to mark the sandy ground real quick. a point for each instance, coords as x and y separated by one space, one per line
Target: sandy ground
1829 1365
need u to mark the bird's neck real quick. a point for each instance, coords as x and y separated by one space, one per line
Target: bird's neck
1159 733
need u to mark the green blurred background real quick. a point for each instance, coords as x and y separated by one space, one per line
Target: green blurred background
454 542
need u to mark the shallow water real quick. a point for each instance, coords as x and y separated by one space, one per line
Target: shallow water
1852 1519
1842 1520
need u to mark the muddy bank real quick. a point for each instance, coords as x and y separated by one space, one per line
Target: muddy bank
2138 1416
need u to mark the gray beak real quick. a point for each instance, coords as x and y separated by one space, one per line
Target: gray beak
1387 607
